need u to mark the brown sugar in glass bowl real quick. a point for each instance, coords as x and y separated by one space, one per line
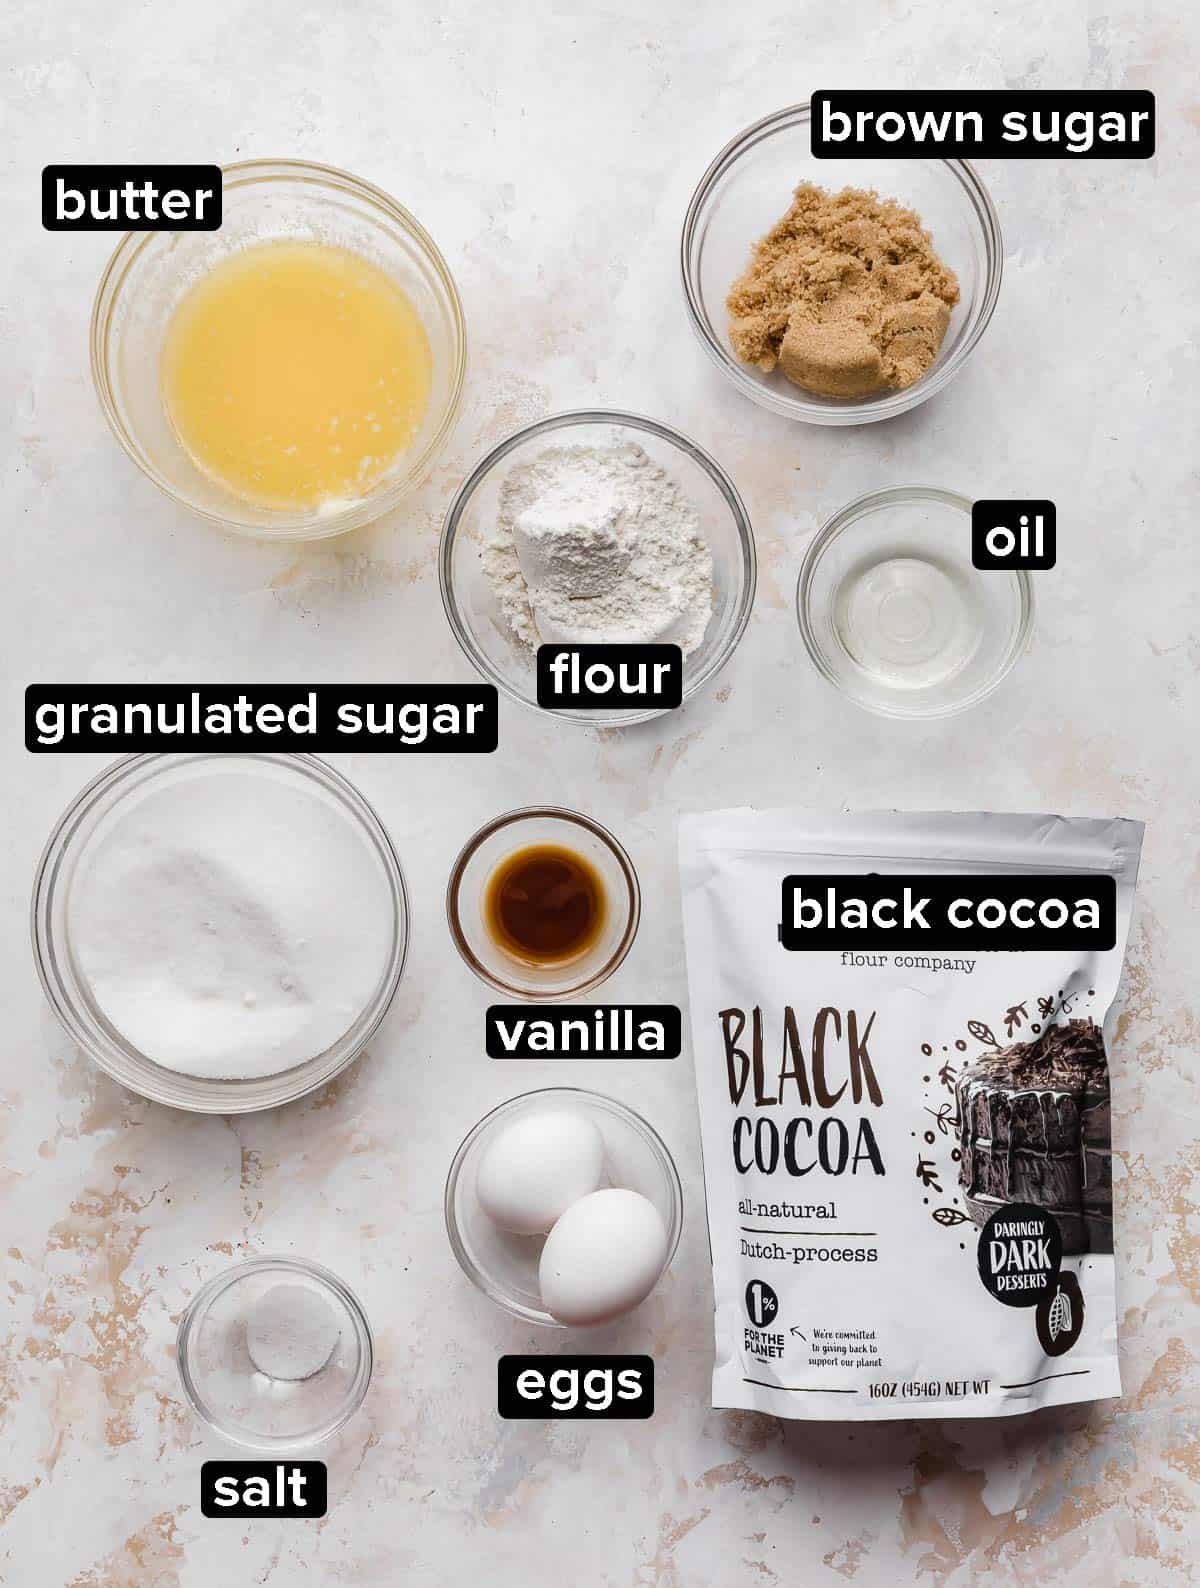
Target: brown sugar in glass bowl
845 293
742 195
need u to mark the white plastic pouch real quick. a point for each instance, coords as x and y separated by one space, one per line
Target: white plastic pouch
907 1144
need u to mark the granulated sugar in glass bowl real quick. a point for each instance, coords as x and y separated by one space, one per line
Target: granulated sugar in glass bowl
220 932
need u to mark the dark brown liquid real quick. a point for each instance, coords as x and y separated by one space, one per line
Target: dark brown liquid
545 904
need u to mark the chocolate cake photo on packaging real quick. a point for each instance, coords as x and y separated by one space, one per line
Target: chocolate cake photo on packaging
907 1135
1034 1122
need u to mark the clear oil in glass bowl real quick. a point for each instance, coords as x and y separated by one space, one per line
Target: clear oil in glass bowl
894 613
909 622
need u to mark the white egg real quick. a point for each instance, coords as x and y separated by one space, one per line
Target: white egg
536 1167
602 1258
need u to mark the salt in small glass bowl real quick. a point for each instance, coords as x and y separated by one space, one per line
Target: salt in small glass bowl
66 987
862 558
505 1266
477 863
474 614
233 1397
748 188
268 200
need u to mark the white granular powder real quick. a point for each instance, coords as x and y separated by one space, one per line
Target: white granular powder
230 918
598 545
291 1332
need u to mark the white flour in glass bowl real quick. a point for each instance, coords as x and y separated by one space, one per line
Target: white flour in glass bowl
599 545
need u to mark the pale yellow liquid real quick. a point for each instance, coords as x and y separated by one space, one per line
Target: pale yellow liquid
295 374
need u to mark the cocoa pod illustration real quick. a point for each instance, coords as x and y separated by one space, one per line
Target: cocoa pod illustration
1059 1320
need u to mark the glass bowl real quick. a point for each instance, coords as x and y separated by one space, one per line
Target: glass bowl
749 186
471 606
505 1266
895 615
542 824
264 200
67 989
247 1407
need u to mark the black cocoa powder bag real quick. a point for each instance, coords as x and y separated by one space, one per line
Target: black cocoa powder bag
900 1026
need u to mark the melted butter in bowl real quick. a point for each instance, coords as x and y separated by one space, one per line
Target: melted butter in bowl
296 374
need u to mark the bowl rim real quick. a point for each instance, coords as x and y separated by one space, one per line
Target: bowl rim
312 525
109 1049
628 873
834 411
567 419
220 1282
658 1146
894 496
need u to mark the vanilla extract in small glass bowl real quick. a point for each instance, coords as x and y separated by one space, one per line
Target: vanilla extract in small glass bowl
895 614
543 903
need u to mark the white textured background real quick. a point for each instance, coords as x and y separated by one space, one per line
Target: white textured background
551 151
